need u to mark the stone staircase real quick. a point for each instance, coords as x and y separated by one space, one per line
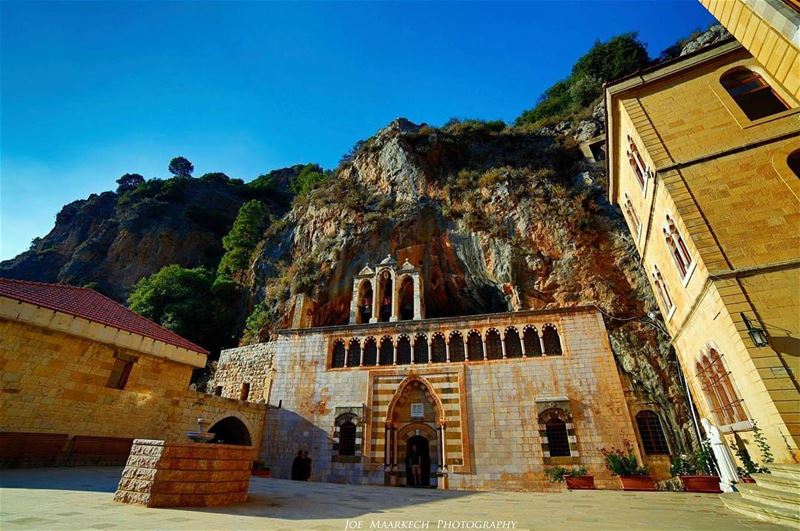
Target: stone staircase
774 497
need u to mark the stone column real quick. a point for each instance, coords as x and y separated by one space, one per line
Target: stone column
447 348
413 355
354 302
483 343
376 300
361 354
444 448
441 448
395 300
395 344
386 445
430 351
522 344
466 346
541 343
503 345
417 297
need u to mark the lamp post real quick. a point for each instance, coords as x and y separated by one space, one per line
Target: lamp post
758 335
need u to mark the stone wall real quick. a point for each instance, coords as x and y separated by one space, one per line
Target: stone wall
162 474
250 365
489 407
51 382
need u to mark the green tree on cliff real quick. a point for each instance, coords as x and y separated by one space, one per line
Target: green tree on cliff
242 239
605 61
190 302
181 167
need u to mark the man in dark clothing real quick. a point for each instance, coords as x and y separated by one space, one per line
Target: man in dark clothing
298 467
414 461
306 466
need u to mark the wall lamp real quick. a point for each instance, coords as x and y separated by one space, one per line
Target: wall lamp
758 335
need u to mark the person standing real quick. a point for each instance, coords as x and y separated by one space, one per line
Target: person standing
306 466
298 466
414 460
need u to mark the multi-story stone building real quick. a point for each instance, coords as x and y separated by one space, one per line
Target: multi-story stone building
490 401
704 161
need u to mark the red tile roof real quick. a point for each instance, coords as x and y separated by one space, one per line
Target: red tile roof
88 304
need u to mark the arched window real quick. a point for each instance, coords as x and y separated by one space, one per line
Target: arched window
337 358
557 438
533 347
651 433
347 438
636 225
718 389
353 353
406 298
456 346
494 347
636 162
403 350
421 349
513 345
677 247
751 93
387 352
661 290
552 343
370 352
475 346
385 302
364 302
438 349
794 162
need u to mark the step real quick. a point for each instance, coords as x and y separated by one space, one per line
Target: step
776 498
776 515
771 481
785 470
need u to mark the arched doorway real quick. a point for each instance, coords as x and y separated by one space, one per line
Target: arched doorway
231 430
418 451
364 302
385 309
406 298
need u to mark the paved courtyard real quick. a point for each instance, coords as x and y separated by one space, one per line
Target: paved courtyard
81 498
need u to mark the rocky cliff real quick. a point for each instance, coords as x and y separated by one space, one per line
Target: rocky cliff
110 241
496 218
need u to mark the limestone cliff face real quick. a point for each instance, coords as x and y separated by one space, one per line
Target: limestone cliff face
496 219
111 241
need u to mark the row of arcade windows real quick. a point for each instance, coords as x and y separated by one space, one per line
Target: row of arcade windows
490 346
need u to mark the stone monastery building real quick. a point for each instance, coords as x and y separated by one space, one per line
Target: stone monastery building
488 400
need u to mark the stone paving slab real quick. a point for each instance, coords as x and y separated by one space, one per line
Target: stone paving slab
82 498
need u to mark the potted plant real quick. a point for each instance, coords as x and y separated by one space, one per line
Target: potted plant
696 471
261 470
748 465
625 465
575 478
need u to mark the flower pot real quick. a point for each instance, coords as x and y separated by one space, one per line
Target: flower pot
637 483
747 480
262 473
700 483
579 482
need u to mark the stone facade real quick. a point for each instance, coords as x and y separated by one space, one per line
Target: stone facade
714 210
162 474
245 368
479 392
53 382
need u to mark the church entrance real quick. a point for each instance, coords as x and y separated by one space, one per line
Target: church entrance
418 455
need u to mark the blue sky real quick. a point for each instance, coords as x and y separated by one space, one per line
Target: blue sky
94 90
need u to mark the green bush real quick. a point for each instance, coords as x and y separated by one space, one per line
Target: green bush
556 474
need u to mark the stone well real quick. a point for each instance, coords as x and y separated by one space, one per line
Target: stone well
185 474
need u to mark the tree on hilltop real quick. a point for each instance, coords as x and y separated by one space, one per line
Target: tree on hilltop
129 181
181 167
